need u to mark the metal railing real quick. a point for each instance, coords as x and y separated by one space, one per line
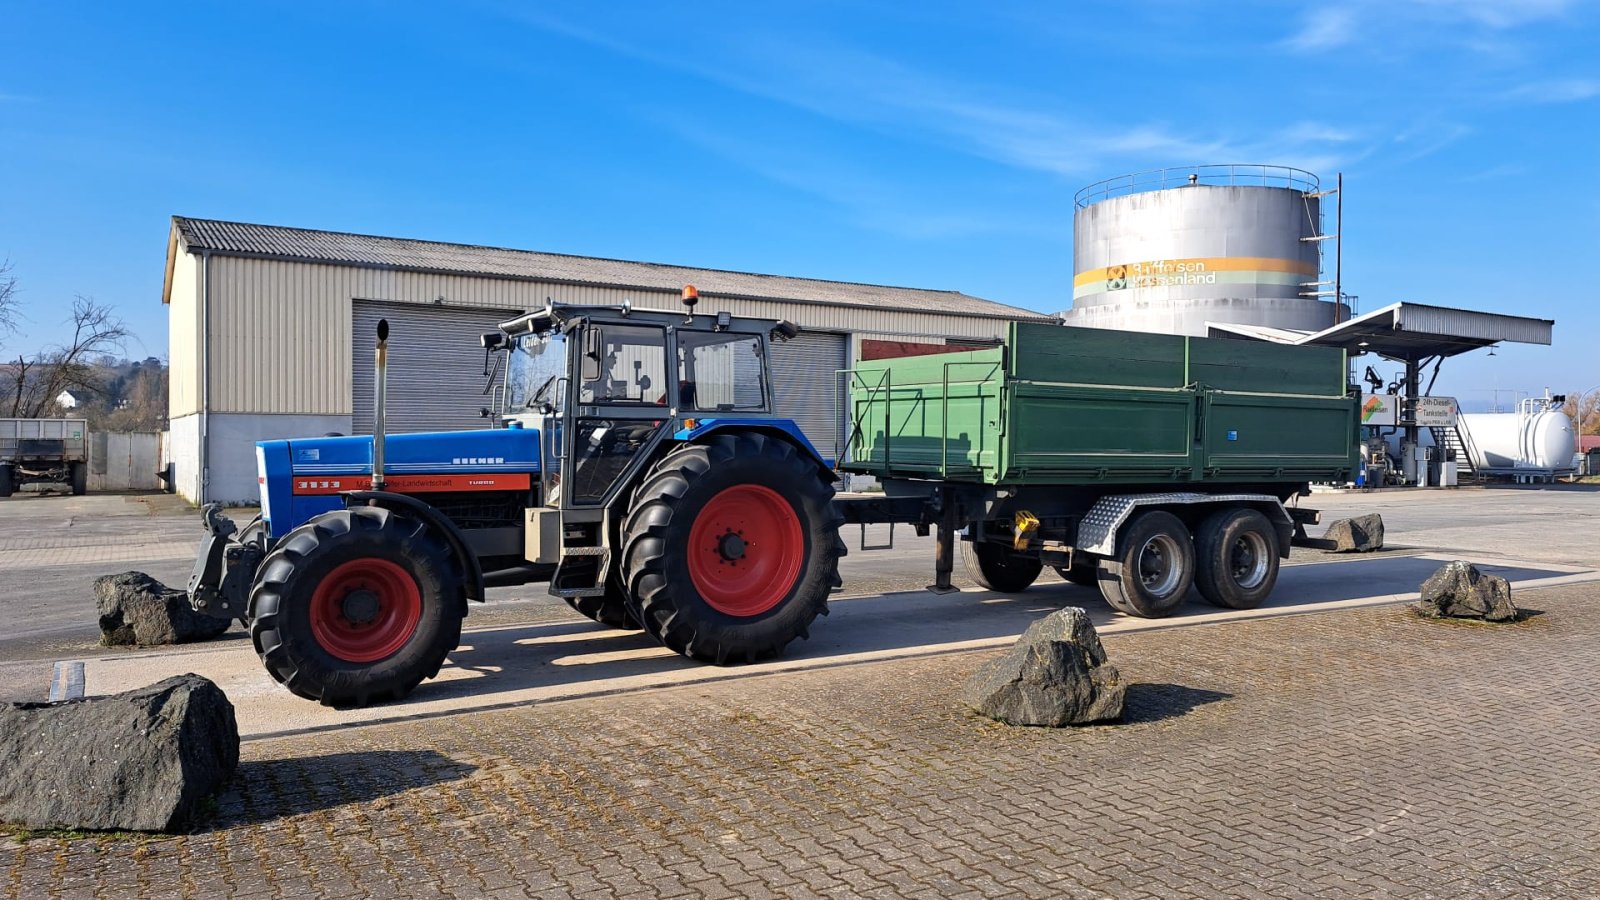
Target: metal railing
1229 174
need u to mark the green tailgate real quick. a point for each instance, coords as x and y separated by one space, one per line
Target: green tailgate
1063 405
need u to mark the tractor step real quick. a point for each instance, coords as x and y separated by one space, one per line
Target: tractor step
581 578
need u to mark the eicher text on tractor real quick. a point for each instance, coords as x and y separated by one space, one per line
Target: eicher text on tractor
636 466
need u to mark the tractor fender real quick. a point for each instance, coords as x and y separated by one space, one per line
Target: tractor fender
782 429
403 503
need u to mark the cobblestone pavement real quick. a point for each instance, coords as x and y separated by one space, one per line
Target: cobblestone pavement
1345 754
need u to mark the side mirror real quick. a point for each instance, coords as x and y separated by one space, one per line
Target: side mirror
785 330
589 369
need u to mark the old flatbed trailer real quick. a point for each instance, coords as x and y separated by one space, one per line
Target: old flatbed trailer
44 450
1137 462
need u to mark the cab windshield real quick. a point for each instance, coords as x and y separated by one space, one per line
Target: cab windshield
534 372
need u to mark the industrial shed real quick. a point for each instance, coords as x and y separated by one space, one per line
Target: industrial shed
272 331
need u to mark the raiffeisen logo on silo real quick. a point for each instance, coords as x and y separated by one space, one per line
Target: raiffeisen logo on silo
1208 270
1166 272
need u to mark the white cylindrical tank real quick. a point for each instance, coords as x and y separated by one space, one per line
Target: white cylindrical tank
1535 437
1174 250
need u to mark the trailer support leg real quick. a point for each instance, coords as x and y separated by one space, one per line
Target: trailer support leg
944 554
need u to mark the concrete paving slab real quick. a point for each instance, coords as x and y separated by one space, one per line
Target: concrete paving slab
511 666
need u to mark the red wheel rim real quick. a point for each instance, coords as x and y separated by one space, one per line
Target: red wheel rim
745 550
365 610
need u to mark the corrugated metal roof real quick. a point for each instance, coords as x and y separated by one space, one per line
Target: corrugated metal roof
272 241
1410 331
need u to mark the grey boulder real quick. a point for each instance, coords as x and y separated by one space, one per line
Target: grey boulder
1459 591
143 760
1056 674
137 609
1358 535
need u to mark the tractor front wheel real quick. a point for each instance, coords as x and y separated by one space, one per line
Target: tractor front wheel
731 548
357 606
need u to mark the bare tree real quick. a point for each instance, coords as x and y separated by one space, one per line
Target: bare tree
8 299
1584 411
37 382
143 406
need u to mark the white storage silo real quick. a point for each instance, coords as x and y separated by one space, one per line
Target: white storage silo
1169 251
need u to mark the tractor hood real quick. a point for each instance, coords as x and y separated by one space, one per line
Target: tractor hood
301 478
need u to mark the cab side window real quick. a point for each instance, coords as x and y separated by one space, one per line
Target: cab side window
624 364
719 371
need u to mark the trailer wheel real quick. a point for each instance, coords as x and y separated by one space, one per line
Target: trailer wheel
7 485
996 569
1153 568
731 548
80 478
1081 574
357 606
1236 558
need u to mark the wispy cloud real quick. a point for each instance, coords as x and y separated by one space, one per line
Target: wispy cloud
1496 13
1324 29
1348 22
1562 90
1426 139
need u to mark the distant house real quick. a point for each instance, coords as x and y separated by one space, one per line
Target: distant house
70 399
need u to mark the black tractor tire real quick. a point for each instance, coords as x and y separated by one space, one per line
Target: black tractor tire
80 478
702 512
8 486
1236 558
357 606
1153 568
995 568
1082 574
611 609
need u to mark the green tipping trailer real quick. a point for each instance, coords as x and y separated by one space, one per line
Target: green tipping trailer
1141 463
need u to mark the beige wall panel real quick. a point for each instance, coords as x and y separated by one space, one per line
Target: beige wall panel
183 338
281 330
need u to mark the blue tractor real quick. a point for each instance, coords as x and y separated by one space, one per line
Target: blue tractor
639 469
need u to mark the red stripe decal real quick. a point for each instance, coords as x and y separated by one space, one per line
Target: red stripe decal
412 484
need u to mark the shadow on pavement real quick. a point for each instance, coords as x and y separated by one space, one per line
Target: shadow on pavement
518 665
266 790
1154 702
891 625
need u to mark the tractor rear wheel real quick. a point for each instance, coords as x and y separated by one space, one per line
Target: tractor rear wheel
997 569
610 609
1153 568
80 477
7 485
357 606
731 548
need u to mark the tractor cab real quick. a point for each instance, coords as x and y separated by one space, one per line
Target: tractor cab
605 385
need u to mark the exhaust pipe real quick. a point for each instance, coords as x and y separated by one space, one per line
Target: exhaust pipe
380 402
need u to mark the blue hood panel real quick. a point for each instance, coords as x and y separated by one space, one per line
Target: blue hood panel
280 463
496 450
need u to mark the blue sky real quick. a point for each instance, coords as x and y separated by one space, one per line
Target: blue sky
925 144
